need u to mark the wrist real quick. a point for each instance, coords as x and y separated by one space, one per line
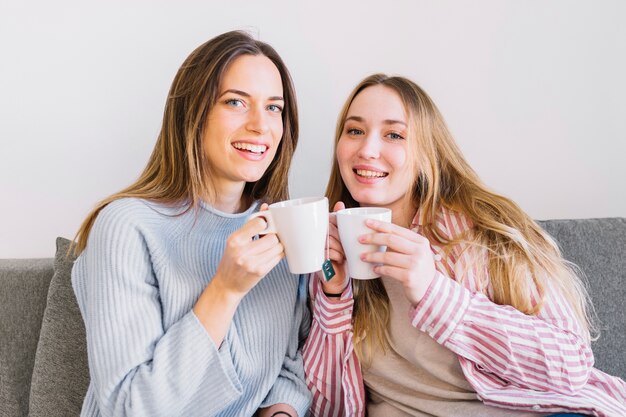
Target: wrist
217 296
222 292
333 290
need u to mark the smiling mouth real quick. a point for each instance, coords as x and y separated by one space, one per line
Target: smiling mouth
249 147
365 173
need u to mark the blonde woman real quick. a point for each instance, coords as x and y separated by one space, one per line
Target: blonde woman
475 314
186 313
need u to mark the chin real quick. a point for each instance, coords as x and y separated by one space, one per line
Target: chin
252 177
367 199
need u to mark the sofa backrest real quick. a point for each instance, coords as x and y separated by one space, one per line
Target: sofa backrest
598 247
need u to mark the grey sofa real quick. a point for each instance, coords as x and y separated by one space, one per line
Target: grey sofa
43 364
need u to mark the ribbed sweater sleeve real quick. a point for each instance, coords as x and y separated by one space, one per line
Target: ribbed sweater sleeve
137 368
290 387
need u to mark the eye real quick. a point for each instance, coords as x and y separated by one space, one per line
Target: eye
354 131
395 136
275 108
234 102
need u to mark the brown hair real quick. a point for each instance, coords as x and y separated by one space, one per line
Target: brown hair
517 247
177 171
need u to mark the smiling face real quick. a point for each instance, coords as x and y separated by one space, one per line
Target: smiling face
372 152
245 125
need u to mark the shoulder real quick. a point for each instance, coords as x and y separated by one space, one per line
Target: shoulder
129 219
134 211
128 207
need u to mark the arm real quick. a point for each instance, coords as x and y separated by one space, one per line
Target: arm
332 369
543 352
137 366
289 392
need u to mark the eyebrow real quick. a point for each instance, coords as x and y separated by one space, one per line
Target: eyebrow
386 121
244 94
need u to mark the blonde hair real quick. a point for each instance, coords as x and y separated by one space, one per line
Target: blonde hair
517 247
177 172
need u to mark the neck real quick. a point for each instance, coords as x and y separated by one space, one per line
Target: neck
227 198
403 214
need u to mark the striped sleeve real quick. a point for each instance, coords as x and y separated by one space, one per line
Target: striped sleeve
332 370
527 351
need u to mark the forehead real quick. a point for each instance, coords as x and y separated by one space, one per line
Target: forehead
378 103
253 74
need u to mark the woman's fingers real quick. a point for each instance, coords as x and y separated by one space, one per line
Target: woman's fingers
333 215
336 256
258 257
335 248
269 259
399 274
339 205
250 229
263 243
394 259
393 242
390 228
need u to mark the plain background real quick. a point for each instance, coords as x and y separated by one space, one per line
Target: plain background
534 92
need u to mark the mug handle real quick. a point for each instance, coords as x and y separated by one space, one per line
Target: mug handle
267 215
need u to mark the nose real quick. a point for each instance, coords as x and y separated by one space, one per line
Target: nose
370 147
257 120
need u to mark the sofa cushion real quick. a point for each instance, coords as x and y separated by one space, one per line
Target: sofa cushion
597 246
60 375
23 288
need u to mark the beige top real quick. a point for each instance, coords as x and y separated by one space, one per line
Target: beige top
419 377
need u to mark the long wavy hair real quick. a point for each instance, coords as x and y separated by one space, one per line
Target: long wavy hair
178 172
520 254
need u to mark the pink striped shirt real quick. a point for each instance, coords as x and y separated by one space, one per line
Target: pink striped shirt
541 364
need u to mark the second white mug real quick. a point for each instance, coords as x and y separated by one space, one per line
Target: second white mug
351 225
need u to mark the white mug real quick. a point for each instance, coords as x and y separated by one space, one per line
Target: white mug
302 228
351 225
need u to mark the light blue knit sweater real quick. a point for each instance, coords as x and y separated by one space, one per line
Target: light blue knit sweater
136 283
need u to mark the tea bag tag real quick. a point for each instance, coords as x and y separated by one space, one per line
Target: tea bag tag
329 271
327 266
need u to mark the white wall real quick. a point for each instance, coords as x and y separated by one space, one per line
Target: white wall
534 92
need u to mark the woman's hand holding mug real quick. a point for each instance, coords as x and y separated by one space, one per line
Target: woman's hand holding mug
408 259
336 254
246 260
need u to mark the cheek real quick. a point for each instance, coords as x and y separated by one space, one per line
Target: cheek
343 152
400 160
277 128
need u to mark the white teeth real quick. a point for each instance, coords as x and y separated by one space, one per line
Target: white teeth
371 174
250 147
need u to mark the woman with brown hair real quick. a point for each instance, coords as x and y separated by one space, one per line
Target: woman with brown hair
476 312
187 313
